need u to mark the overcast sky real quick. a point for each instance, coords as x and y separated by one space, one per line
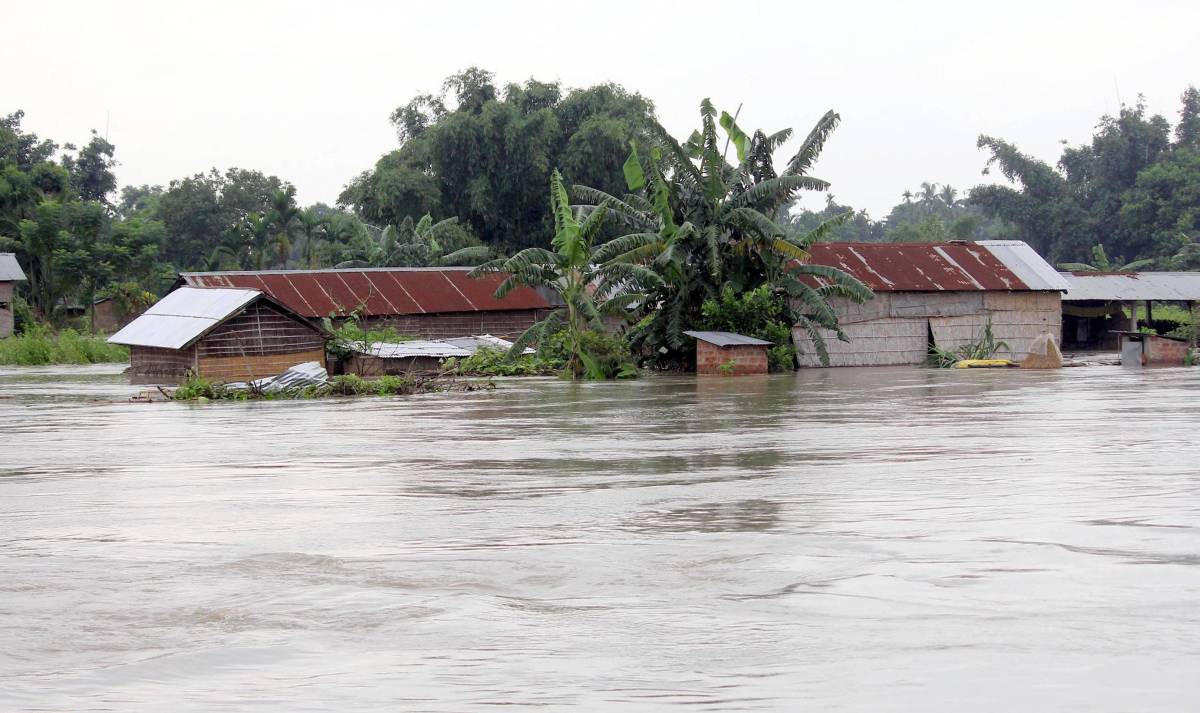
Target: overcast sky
303 89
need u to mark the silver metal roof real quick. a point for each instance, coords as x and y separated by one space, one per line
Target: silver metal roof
10 269
437 349
726 339
1025 263
1131 286
183 316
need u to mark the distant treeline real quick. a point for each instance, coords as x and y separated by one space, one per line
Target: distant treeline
468 180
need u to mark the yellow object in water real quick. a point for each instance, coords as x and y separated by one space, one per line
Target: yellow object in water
982 363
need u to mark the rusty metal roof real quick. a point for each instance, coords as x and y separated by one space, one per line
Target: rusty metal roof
1007 265
1130 286
376 292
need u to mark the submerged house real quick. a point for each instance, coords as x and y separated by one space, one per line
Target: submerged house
936 294
431 303
729 354
219 334
10 274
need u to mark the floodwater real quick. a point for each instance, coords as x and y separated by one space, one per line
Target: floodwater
856 539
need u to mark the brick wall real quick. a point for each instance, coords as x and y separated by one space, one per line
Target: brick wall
444 325
1166 351
747 359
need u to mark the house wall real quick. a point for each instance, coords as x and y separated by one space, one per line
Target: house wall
164 364
6 311
747 359
367 365
508 324
261 341
894 328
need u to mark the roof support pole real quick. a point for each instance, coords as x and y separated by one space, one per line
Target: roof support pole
1149 314
1195 321
1133 316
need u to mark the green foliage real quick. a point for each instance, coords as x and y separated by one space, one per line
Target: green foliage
349 334
703 224
760 313
985 346
587 284
194 388
1101 263
495 362
1132 189
484 154
37 346
726 369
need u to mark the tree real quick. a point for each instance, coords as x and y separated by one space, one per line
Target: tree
284 217
1101 263
588 285
310 227
703 224
484 155
91 169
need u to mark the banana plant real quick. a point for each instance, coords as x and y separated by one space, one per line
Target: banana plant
587 287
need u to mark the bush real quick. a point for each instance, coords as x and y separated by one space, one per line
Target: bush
37 346
496 362
759 313
196 387
607 356
350 333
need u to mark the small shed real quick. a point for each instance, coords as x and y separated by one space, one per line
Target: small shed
10 274
729 354
220 334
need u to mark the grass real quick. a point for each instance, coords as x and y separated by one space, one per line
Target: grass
37 345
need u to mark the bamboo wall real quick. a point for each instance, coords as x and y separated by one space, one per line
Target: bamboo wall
261 341
6 311
895 327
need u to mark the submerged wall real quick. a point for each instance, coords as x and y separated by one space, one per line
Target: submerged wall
508 324
742 359
6 310
895 327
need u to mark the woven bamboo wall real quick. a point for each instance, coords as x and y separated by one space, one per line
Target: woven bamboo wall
260 330
6 312
172 364
894 327
880 342
244 368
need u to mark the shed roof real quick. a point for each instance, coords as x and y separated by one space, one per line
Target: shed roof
10 269
994 265
376 292
727 339
1117 286
183 316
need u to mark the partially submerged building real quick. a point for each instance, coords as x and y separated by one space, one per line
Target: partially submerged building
729 354
936 294
219 334
431 303
417 356
1094 305
10 274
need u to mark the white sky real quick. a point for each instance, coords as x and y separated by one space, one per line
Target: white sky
303 89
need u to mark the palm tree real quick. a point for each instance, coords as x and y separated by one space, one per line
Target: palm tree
703 224
587 285
949 195
1101 263
310 226
907 195
257 237
284 217
929 195
417 245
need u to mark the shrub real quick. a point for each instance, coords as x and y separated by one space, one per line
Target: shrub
37 345
196 387
759 313
495 362
606 356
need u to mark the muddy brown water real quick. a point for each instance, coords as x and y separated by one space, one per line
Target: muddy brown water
856 539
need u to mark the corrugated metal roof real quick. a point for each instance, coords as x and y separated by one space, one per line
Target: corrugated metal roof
1034 271
378 291
1002 265
183 316
1131 286
10 269
457 347
727 339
